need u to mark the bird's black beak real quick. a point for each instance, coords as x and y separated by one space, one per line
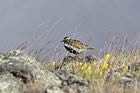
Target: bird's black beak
62 41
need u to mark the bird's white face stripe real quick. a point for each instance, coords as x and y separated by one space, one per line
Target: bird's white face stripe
76 49
67 38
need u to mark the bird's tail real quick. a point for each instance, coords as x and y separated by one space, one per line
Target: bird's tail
90 48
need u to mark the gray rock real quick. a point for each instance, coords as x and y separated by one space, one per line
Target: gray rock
65 82
9 84
126 79
91 58
20 73
22 67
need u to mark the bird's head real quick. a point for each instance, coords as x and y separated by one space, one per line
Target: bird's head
65 39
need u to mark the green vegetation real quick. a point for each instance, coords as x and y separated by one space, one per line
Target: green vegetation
110 73
115 71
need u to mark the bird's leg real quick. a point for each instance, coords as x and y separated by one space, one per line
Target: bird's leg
81 55
68 54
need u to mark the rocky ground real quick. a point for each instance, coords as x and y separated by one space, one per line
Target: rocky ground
20 73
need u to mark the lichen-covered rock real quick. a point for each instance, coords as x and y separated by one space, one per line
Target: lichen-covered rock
64 82
87 59
20 73
91 58
22 66
127 77
22 70
9 84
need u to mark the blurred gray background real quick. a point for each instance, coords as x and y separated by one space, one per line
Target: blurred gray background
48 21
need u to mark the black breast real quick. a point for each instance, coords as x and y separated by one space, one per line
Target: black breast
71 50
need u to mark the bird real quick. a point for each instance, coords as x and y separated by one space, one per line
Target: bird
75 46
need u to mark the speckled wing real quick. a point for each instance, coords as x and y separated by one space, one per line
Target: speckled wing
79 44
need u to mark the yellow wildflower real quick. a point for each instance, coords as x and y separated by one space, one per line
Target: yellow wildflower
106 58
54 64
125 69
105 66
81 64
89 69
94 64
100 73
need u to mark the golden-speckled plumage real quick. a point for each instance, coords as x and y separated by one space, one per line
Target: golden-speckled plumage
77 43
74 44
